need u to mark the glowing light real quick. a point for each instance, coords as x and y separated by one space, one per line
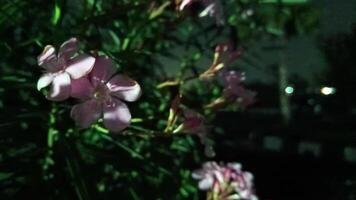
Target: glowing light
289 90
328 90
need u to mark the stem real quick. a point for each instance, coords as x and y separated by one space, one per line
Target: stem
133 153
283 83
74 170
72 173
51 131
136 120
138 128
51 138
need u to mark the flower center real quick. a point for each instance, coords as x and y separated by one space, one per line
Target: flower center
101 93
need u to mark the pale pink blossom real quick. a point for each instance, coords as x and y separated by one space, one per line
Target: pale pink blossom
225 181
103 94
208 175
62 67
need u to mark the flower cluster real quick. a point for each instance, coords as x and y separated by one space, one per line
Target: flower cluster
225 182
93 81
224 55
61 68
234 89
233 92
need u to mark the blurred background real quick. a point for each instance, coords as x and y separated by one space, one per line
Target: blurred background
298 138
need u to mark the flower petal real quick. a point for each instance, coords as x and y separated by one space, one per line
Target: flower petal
47 54
60 88
206 183
199 174
81 88
68 48
87 113
219 176
234 197
124 87
103 69
44 81
48 60
80 66
209 10
235 166
184 3
116 115
232 77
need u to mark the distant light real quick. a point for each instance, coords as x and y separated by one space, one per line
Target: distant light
289 90
328 90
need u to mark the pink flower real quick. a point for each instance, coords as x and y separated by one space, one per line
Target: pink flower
234 90
208 175
102 94
226 181
62 67
193 123
242 181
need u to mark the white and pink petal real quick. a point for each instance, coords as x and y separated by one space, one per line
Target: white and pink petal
206 183
116 115
86 113
80 66
48 53
81 88
68 48
124 88
44 81
103 70
184 3
60 87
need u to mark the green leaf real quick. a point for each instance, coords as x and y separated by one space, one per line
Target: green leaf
4 176
115 38
126 43
157 12
56 14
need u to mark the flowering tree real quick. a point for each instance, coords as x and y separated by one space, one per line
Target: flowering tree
126 104
92 79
